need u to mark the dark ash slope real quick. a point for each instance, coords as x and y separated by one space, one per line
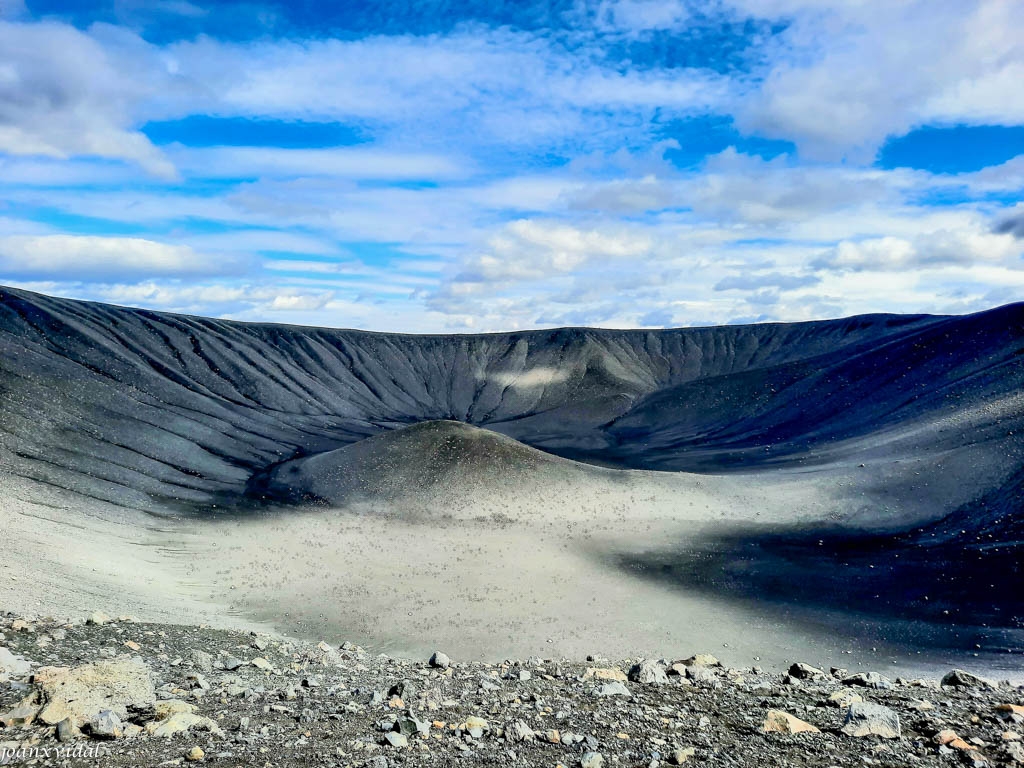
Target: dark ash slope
141 407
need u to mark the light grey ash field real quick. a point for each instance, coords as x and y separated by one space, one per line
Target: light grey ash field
842 493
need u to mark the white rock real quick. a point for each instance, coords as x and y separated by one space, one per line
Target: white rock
84 691
867 719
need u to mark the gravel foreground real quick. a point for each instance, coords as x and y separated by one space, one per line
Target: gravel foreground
107 691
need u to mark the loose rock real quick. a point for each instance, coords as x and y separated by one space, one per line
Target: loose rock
869 680
778 721
605 673
519 731
803 671
105 725
396 740
868 719
702 660
195 754
612 689
84 691
440 660
844 698
648 673
963 679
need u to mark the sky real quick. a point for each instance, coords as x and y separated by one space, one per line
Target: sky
488 165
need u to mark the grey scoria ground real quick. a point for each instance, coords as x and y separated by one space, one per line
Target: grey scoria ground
233 698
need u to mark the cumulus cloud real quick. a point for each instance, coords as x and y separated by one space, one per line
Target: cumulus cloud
843 77
63 93
87 257
526 168
932 249
529 250
739 187
624 196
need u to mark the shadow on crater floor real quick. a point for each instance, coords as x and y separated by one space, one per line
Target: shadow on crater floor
917 588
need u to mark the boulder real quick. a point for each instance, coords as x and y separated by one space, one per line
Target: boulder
519 731
778 721
67 730
476 726
202 661
702 660
105 725
869 680
410 725
78 693
648 673
867 719
700 674
396 740
802 671
960 678
605 673
440 660
1014 753
843 698
168 707
182 722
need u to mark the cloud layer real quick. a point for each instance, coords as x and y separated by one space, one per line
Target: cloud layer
515 175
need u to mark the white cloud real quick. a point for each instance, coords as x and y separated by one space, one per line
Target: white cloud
612 233
845 76
63 93
86 257
931 249
757 281
1006 177
496 88
625 196
301 265
635 17
257 240
528 249
348 162
54 171
226 299
736 187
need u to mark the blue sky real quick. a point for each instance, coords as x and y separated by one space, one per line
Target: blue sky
480 166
